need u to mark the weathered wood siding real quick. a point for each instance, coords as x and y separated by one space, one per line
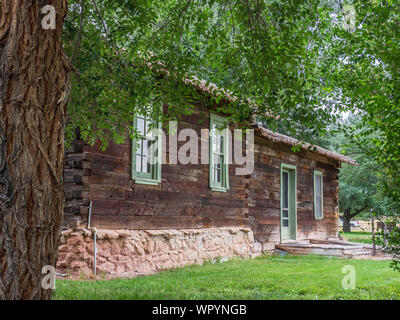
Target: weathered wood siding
184 200
264 192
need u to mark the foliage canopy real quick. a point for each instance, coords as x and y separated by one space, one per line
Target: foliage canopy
305 61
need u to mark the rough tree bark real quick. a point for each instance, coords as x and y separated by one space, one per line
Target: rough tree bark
34 87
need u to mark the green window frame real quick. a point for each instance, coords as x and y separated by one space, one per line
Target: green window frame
291 218
147 151
318 195
219 151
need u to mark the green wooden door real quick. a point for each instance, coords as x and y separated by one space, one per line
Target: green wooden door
288 202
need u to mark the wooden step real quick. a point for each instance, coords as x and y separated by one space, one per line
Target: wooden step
326 248
357 252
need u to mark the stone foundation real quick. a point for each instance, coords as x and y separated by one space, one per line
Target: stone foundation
132 252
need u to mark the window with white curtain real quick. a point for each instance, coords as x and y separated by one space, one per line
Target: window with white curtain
318 195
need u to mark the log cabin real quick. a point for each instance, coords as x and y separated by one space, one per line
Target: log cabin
125 215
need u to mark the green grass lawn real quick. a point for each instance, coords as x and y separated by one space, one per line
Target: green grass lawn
359 236
289 277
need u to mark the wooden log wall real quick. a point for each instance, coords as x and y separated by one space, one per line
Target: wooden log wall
76 191
264 192
184 199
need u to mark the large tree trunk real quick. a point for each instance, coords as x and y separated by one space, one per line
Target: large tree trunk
346 221
34 87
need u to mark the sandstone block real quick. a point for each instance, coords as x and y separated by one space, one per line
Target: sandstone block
266 247
256 247
145 251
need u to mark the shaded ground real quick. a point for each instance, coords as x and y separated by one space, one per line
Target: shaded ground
288 277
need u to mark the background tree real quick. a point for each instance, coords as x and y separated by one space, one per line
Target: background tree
364 70
365 64
359 186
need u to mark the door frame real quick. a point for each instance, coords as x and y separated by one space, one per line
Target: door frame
293 199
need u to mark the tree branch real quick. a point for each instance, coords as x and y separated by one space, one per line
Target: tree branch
358 211
79 36
100 17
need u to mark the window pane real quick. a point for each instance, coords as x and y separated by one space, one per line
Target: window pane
141 126
147 164
285 213
220 144
285 190
217 159
217 174
145 146
138 163
318 196
139 147
145 167
144 157
214 144
217 168
149 167
285 223
146 151
318 208
318 185
149 126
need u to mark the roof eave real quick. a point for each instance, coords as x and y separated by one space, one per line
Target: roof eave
281 138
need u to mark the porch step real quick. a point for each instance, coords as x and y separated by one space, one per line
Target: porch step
357 252
326 247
